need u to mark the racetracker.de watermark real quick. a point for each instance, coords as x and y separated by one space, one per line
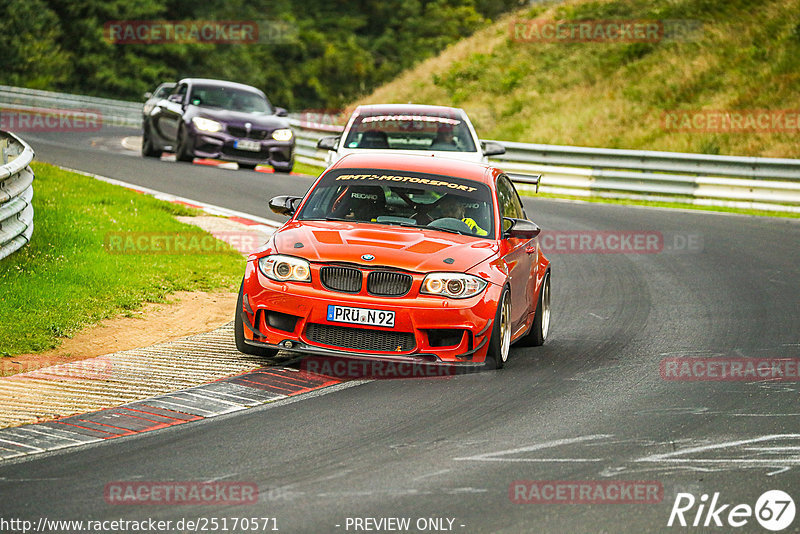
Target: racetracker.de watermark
586 492
618 242
730 369
732 121
180 243
198 32
180 493
90 369
373 369
603 31
50 120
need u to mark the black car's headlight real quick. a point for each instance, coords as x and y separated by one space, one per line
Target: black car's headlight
207 125
282 134
453 285
285 268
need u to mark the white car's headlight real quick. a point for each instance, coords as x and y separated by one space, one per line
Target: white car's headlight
206 125
285 268
453 285
282 134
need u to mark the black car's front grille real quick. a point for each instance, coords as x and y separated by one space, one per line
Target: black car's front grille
388 283
238 131
246 154
344 279
365 339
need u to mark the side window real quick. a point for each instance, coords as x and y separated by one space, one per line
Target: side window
510 204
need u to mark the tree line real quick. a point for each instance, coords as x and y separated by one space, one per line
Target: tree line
318 54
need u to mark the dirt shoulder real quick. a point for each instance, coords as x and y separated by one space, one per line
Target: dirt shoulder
185 313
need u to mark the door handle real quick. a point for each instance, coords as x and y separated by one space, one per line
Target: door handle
530 249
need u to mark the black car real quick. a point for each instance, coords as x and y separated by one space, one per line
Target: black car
220 120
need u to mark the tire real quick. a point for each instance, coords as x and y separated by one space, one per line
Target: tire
248 166
286 168
238 333
541 321
181 153
148 150
500 343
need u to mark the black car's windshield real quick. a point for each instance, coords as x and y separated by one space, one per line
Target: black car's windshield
229 98
402 198
163 91
399 131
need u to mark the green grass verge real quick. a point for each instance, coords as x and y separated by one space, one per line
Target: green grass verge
66 278
305 168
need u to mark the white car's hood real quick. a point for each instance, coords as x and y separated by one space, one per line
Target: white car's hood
476 157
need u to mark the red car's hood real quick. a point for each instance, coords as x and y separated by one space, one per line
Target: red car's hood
411 249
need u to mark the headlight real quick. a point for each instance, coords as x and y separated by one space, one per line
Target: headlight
283 134
206 125
453 285
285 268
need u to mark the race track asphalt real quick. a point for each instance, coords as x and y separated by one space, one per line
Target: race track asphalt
590 405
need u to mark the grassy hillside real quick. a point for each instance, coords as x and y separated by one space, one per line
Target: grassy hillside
745 56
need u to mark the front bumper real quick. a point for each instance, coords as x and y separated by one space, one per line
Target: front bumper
220 145
287 316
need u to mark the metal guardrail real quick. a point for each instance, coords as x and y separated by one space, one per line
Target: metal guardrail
769 184
16 194
700 179
112 112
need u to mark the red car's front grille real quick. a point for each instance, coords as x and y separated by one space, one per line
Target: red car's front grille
344 279
388 283
379 283
365 339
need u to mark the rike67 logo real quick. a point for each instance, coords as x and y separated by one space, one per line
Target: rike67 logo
774 510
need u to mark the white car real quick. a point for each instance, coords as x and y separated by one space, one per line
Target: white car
414 129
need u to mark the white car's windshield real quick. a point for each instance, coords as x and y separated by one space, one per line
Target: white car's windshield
402 131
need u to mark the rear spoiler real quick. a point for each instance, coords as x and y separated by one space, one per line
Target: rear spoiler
529 179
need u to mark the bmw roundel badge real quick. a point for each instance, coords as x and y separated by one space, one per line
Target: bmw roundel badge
367 257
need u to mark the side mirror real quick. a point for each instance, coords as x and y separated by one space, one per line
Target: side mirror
328 143
281 112
520 228
178 99
284 205
490 148
147 95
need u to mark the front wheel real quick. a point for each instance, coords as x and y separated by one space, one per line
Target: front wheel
541 321
500 343
148 150
238 332
283 168
182 150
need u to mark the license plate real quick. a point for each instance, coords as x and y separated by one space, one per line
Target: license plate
345 314
244 144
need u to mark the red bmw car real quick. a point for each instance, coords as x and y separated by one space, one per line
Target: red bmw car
402 258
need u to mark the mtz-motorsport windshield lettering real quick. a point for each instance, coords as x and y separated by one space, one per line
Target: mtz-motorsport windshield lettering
406 179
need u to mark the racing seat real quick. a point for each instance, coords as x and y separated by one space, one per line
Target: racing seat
373 139
361 203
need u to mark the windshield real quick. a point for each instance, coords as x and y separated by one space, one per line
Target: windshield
410 132
402 198
163 91
229 98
